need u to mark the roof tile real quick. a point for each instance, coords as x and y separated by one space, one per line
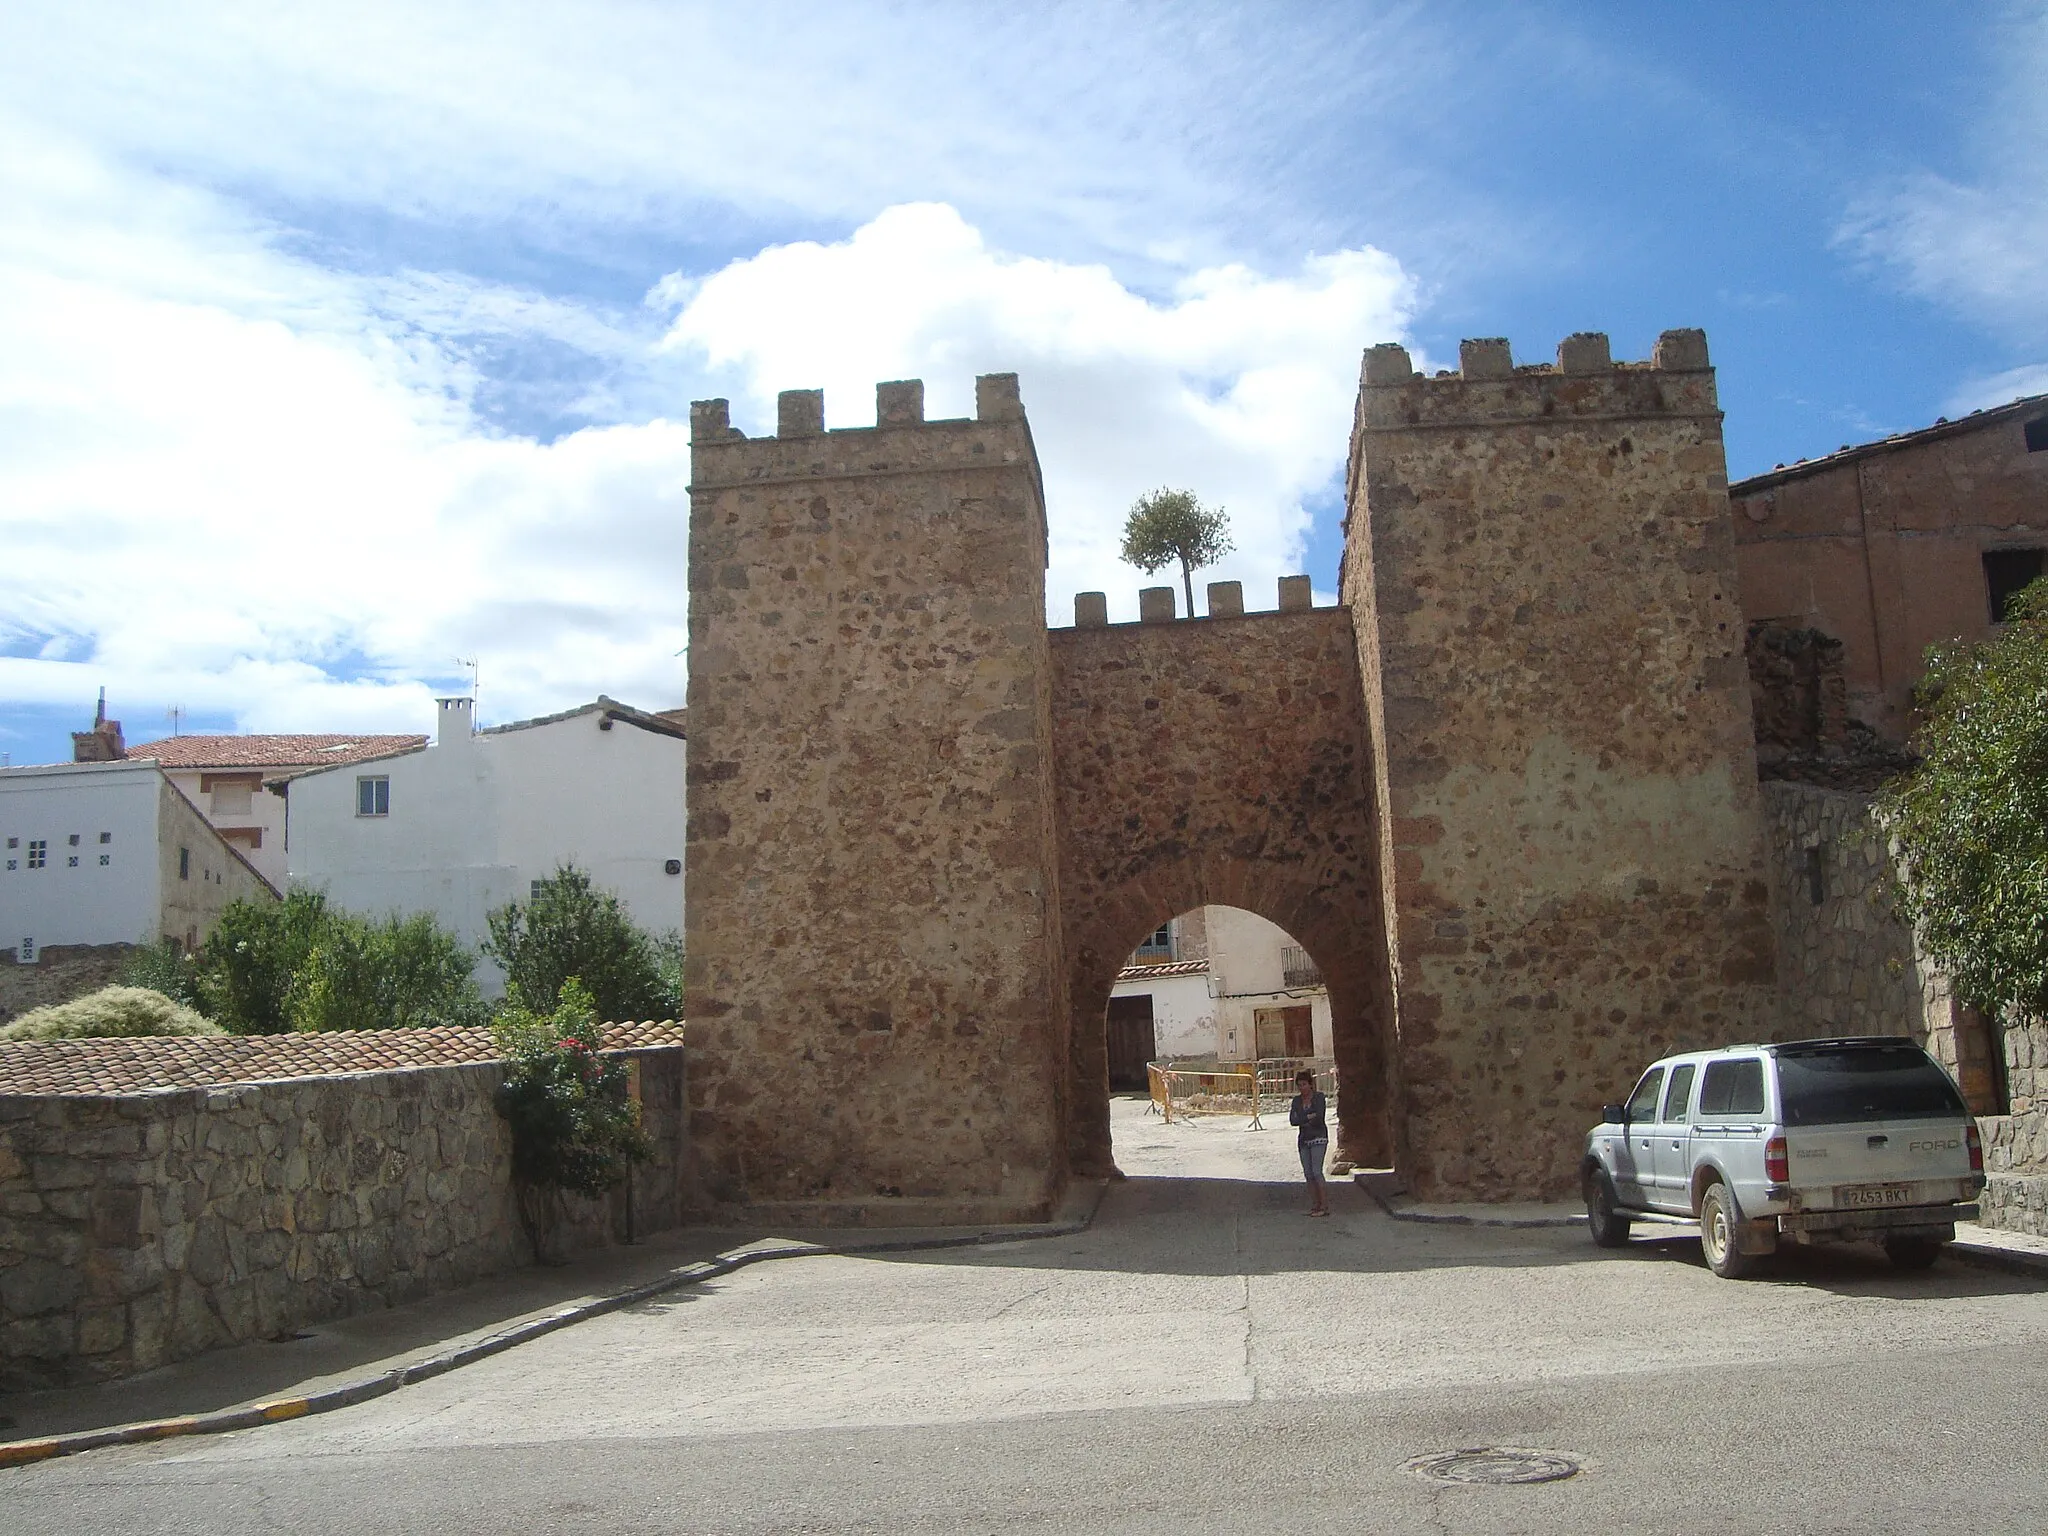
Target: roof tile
270 751
88 1068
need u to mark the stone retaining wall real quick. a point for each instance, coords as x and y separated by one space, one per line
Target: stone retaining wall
142 1228
1845 961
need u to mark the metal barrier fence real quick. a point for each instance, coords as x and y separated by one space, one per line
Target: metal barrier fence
1235 1088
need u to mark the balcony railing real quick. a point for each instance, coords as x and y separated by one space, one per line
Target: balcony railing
1297 969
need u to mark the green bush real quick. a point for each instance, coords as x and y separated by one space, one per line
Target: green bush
397 973
128 1011
164 967
1971 822
254 954
300 964
572 929
574 1130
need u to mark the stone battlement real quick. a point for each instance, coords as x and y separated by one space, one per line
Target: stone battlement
1585 383
1158 605
901 440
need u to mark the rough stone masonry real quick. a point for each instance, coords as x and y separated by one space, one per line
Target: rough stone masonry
1506 792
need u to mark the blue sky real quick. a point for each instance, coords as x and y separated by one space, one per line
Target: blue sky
337 344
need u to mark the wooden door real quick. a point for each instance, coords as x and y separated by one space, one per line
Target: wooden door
1300 1027
1129 1029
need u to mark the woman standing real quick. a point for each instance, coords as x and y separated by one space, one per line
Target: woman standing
1310 1111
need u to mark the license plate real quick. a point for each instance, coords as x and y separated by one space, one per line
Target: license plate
1852 1196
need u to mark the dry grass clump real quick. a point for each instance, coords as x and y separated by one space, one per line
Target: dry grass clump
126 1011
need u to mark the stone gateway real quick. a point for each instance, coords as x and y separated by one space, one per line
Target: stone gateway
1505 792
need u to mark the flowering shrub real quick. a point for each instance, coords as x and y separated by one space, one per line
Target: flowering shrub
574 1129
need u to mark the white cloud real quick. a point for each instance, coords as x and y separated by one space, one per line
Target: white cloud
233 480
1998 389
238 481
1239 385
1978 246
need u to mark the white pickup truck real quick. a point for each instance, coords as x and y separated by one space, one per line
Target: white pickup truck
1810 1141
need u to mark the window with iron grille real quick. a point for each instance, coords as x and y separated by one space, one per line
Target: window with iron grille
1297 968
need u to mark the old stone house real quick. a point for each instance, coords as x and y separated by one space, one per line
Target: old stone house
1892 546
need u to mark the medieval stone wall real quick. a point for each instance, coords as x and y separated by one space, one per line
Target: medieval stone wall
1221 760
1542 567
878 1032
141 1228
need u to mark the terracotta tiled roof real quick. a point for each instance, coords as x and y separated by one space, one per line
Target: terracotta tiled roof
91 1067
271 751
1164 968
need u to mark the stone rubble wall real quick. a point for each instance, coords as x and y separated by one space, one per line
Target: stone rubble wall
59 973
2016 1144
1850 968
1845 961
139 1229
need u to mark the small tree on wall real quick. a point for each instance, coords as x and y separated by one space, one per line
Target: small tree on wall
1165 526
1971 821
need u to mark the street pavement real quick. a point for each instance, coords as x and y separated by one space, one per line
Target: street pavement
1204 1357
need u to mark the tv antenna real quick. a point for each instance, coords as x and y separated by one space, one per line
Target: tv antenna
475 672
176 715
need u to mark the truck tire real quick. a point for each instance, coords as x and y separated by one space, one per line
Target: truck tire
1721 1233
1608 1225
1912 1252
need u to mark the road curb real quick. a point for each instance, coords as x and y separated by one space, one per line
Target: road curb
2009 1261
18 1453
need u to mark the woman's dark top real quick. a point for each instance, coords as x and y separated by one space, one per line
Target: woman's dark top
1308 1114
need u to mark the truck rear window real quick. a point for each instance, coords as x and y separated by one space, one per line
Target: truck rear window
1848 1084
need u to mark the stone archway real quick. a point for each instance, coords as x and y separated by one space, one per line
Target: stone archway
1220 762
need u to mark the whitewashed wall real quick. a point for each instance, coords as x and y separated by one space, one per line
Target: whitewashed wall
474 819
92 903
1183 1015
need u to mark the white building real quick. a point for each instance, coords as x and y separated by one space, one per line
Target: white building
1219 984
472 821
225 777
98 856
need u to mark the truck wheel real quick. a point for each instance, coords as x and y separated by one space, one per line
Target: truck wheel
1608 1226
1912 1252
1720 1234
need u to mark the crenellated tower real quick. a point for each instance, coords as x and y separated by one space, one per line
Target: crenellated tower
1541 568
877 1010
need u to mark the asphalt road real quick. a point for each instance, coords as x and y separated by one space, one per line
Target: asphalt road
1204 1358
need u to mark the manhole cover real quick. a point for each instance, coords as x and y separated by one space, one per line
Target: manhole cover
1498 1464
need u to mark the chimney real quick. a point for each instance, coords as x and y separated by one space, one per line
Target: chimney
101 744
457 722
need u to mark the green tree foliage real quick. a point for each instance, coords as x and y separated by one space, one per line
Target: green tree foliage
397 973
1971 821
574 1128
255 952
300 964
1165 526
128 1011
572 929
164 967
